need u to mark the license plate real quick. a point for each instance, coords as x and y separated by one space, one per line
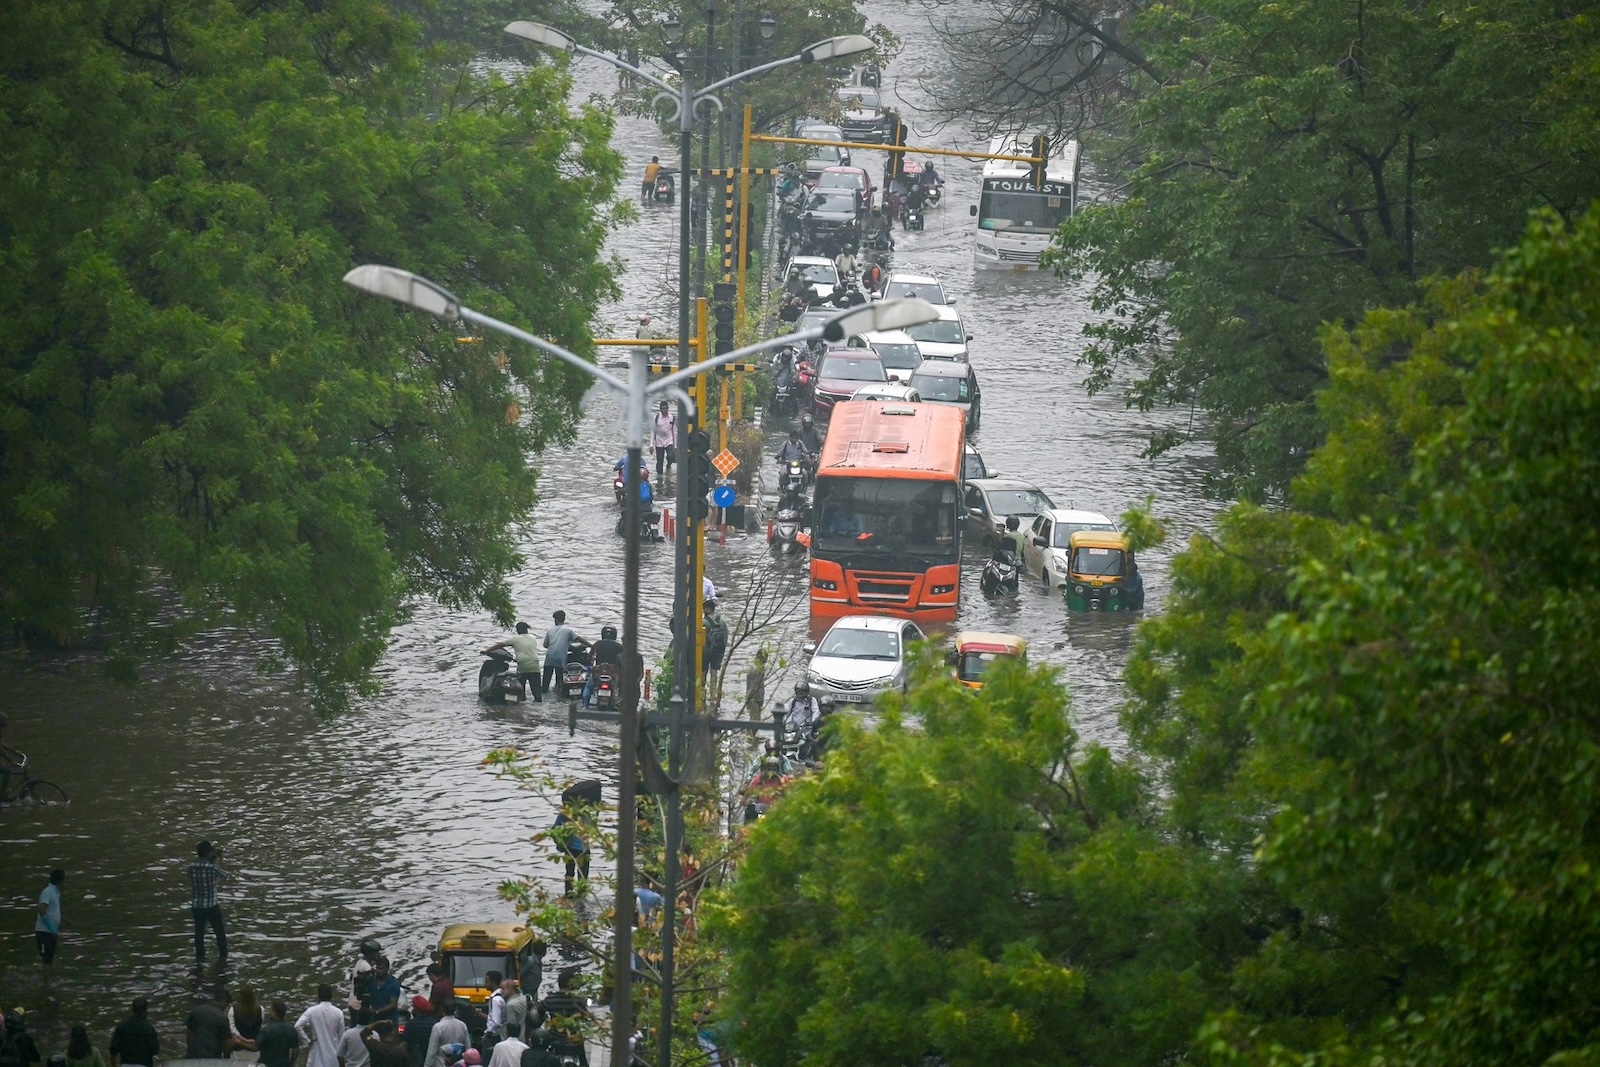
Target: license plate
1019 266
856 698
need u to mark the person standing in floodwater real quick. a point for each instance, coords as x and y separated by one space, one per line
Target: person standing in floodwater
205 875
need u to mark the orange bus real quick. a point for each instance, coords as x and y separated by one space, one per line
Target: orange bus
886 512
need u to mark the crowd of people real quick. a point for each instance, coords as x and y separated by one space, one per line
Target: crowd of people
374 1027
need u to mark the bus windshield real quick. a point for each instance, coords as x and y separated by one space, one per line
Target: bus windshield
1032 212
906 515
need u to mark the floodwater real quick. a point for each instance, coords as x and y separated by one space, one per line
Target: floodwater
382 823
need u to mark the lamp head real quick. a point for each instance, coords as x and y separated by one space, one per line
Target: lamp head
672 29
539 33
850 44
879 315
403 287
769 26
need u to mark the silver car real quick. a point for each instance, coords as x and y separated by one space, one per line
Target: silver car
1044 551
861 657
990 501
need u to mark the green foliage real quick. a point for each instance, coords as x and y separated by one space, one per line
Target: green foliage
961 890
191 405
1300 163
1388 694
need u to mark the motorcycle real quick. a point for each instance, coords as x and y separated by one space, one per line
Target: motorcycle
498 680
935 191
792 478
649 524
607 684
1000 575
911 216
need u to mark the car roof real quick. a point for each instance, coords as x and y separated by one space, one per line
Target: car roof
1075 515
893 337
810 261
1004 483
947 311
915 279
845 170
943 368
868 622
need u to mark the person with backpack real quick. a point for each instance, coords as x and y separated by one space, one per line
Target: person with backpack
716 643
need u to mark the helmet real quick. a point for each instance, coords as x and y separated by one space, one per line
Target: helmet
608 633
802 688
806 419
370 947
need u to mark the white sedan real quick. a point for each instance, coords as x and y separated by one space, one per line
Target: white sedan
1044 550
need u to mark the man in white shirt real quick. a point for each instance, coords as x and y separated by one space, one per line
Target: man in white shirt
663 438
321 1027
496 1007
508 1051
353 1047
447 1031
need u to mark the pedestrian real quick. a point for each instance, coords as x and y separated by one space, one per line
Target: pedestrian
320 1027
526 647
441 991
16 1032
716 632
509 1049
532 977
47 927
385 993
245 1020
557 640
755 685
573 848
207 1027
664 439
80 1050
420 1030
517 1006
353 1050
563 1013
446 1032
134 1042
388 1050
494 1010
205 875
278 1041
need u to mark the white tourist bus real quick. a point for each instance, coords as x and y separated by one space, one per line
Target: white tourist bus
1014 217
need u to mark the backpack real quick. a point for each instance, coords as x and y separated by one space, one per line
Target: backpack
716 639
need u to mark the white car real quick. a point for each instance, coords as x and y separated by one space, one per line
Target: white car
861 657
818 272
890 391
944 338
900 354
1044 551
899 283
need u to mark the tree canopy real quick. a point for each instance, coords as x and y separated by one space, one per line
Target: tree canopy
1301 163
197 421
1358 825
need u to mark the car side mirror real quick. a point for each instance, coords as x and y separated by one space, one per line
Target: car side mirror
969 337
972 209
950 301
997 474
809 647
976 513
1038 542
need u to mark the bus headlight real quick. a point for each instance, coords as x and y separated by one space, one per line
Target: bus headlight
938 589
825 583
985 250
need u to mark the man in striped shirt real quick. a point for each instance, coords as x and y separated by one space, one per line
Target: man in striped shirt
205 874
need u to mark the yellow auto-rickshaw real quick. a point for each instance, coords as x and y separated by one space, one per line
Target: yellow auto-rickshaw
469 951
1102 574
975 651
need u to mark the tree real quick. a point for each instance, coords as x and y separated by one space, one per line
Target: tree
976 891
1387 694
1301 164
198 423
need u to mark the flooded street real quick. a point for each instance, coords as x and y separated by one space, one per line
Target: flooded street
382 823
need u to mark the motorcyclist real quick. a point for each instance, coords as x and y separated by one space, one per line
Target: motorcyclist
606 650
810 436
929 177
804 710
916 198
794 448
1013 539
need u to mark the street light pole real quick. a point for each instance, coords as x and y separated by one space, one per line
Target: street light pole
418 292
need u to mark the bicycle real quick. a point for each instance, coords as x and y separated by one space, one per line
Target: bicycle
20 784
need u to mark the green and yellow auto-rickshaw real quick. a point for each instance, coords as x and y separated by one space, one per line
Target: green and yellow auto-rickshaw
1102 574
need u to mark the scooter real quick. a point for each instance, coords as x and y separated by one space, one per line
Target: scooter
1000 575
617 482
649 524
666 187
575 673
498 680
607 684
911 216
935 191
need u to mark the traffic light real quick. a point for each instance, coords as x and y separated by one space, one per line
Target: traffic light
724 293
897 138
701 474
1041 152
